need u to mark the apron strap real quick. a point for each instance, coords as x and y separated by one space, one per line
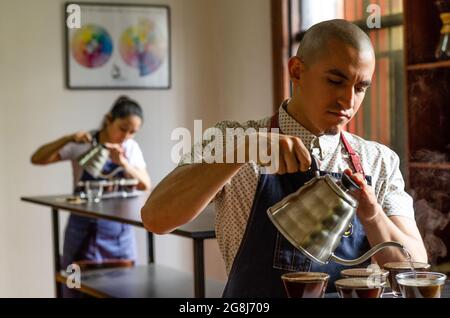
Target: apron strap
354 158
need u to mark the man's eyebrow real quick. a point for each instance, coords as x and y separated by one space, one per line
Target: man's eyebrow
339 73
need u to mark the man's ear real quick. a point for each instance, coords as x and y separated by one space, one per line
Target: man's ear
296 67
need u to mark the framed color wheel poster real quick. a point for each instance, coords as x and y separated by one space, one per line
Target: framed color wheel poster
119 46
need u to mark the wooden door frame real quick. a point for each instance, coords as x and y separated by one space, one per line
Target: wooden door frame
280 51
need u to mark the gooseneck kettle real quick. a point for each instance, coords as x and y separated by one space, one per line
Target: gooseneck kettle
95 159
315 217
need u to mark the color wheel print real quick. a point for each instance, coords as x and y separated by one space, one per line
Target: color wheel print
91 46
142 47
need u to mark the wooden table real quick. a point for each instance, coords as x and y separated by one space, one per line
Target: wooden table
127 210
142 281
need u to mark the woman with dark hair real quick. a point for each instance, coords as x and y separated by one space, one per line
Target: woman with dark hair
96 240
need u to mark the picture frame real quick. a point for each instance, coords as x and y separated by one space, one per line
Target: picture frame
118 46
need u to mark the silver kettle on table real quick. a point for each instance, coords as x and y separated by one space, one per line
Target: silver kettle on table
315 217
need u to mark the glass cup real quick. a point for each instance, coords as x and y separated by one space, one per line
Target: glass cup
375 274
305 284
93 190
395 268
359 287
421 284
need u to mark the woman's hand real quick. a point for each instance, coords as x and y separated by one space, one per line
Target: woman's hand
81 137
117 154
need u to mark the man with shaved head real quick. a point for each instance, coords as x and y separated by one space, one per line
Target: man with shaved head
330 75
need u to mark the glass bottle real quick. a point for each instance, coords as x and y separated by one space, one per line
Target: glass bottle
443 49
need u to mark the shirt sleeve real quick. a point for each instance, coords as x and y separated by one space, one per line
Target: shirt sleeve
197 151
215 147
396 200
212 147
67 152
135 156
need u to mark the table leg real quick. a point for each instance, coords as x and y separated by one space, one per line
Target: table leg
199 269
56 256
151 255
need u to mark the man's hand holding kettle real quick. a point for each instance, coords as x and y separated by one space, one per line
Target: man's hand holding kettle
368 207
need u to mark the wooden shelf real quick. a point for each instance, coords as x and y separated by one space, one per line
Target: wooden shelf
428 116
427 66
430 165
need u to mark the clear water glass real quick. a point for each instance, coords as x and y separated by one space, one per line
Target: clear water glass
93 190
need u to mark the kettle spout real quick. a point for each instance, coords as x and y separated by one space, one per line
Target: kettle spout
366 255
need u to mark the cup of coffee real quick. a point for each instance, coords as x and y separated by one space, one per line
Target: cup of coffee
421 284
375 274
305 284
395 268
359 287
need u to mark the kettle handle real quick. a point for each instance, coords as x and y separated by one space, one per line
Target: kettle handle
348 182
314 168
367 255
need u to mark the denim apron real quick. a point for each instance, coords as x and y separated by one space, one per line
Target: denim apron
264 254
96 239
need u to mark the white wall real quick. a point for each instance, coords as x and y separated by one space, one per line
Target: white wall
3 177
221 68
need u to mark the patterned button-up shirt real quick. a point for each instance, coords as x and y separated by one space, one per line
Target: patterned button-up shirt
234 201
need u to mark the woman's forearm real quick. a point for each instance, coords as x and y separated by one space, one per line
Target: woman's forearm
48 153
139 174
